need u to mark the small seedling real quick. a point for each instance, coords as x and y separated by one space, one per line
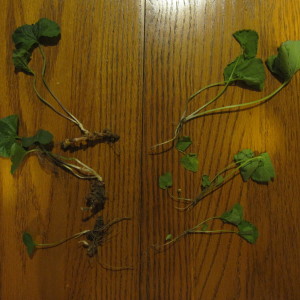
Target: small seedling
257 167
93 238
234 216
26 39
248 70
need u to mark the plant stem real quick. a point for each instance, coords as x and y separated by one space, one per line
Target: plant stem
180 124
213 187
51 245
178 198
88 172
82 171
251 103
47 103
194 230
74 119
221 92
214 231
183 118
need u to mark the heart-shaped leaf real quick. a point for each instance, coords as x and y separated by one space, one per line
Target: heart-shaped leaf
233 216
248 231
249 71
287 62
183 143
8 134
190 162
28 36
165 181
248 40
42 137
265 171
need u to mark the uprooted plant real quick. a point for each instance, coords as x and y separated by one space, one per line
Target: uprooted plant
249 71
94 239
17 148
251 165
29 37
234 216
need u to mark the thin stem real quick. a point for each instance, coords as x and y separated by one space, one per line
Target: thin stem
213 187
205 88
241 165
184 119
34 150
180 123
230 166
203 222
178 198
252 103
47 103
61 160
194 230
172 241
51 245
184 233
75 120
198 92
214 231
221 92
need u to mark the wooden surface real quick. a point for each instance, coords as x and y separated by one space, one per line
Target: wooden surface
129 66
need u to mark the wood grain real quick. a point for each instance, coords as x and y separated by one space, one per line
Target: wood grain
96 69
130 66
188 44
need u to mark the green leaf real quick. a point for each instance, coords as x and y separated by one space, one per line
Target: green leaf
169 237
29 243
233 216
17 155
42 137
219 180
248 40
28 36
260 170
248 232
265 171
183 143
21 58
47 28
249 71
165 181
243 155
8 134
205 183
249 168
190 162
287 62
